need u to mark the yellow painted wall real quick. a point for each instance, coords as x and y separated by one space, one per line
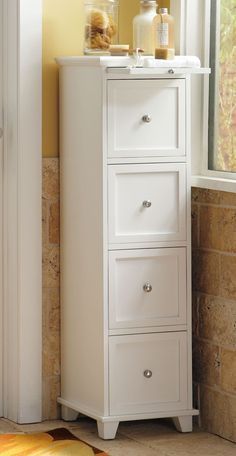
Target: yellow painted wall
63 26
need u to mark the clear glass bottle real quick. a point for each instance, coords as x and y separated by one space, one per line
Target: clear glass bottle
163 30
142 27
101 25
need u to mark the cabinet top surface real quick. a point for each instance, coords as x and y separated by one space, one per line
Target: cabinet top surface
128 65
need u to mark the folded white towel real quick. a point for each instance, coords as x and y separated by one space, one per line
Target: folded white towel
181 61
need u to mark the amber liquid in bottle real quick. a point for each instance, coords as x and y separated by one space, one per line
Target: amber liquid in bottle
163 32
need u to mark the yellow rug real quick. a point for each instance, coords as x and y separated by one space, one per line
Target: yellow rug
57 442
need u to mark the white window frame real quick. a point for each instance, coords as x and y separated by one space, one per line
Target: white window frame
193 38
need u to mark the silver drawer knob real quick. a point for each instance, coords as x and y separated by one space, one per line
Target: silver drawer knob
147 203
147 287
147 373
147 118
171 71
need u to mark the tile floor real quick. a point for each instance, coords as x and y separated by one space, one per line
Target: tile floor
143 438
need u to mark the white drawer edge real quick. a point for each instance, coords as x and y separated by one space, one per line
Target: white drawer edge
148 245
146 160
155 71
147 330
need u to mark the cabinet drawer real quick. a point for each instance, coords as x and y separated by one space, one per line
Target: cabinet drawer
147 203
148 373
146 118
147 288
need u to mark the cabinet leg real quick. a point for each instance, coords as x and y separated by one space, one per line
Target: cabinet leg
107 431
183 423
68 414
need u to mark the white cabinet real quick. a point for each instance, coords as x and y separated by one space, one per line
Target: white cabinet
125 244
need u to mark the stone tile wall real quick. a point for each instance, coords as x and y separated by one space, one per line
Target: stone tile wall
214 303
51 283
214 309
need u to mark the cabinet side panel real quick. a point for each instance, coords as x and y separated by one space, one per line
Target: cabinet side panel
81 154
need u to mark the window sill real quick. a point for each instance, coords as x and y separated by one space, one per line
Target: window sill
214 183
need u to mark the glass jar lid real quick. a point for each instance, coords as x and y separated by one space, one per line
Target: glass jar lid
163 10
92 2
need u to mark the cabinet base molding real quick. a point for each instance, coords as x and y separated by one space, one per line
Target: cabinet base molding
108 425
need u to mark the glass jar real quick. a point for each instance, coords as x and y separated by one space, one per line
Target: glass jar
142 27
101 25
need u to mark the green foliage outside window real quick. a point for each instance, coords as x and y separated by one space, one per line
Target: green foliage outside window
225 159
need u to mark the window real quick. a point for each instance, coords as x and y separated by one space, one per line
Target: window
222 111
213 156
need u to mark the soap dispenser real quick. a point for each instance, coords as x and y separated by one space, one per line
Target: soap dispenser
163 33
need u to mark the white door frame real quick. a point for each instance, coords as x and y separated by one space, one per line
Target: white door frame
22 193
1 200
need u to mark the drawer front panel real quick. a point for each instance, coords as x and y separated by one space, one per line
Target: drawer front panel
147 288
147 203
146 118
148 373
